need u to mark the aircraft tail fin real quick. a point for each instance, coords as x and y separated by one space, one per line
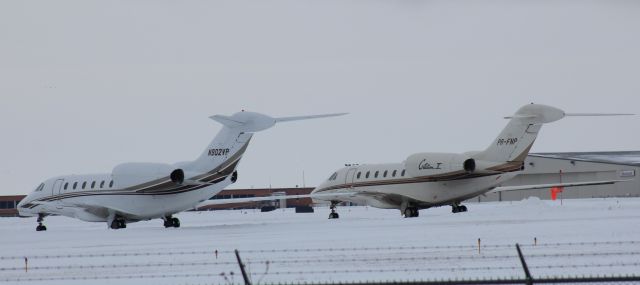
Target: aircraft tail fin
232 141
515 141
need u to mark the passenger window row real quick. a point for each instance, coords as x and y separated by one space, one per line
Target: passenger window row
384 175
84 185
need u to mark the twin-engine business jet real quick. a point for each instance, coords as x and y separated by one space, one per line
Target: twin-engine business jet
427 180
142 191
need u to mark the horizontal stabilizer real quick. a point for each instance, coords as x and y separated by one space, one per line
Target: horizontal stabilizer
227 121
596 114
298 118
521 117
545 186
518 116
255 122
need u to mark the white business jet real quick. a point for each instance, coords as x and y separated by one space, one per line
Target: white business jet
426 180
143 191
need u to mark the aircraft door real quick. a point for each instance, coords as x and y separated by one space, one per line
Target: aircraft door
57 187
351 173
56 190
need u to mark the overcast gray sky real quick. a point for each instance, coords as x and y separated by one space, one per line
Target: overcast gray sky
86 85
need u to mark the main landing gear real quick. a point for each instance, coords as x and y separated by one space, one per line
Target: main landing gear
41 227
171 222
411 212
457 208
334 214
118 223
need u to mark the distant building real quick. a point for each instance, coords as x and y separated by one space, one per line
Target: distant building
546 168
250 193
8 205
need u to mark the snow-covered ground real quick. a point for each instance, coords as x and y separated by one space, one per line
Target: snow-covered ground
580 237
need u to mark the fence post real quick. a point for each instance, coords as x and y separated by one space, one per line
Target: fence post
478 246
529 279
244 272
26 264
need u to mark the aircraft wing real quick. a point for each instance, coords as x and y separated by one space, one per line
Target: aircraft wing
545 186
270 198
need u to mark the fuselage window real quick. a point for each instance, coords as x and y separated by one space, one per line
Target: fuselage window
102 184
84 184
93 184
66 185
367 176
75 185
377 172
385 173
359 174
403 172
394 173
111 184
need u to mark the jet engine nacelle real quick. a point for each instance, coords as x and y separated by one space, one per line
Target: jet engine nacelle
429 164
130 174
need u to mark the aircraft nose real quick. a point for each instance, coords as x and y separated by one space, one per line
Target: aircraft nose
21 212
322 185
23 202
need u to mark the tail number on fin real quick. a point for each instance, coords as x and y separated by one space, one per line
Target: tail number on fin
508 141
218 152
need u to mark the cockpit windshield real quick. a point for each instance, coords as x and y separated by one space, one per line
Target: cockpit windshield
40 187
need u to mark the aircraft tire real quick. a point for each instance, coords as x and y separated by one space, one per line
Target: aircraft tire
175 222
41 228
118 224
334 216
411 212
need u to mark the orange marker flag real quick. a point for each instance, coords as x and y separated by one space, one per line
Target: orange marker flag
555 191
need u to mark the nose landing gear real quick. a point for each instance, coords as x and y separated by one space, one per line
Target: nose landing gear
41 227
333 207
